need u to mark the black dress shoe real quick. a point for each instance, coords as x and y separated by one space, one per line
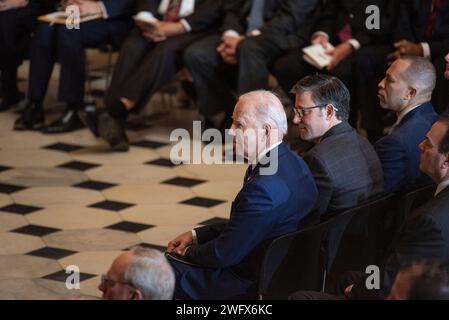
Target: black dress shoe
90 119
67 123
112 131
32 118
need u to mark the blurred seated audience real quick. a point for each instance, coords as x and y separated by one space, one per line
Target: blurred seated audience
56 43
139 274
421 281
228 64
345 166
407 90
18 20
148 60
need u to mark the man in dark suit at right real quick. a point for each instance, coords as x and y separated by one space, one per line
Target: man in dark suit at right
235 61
425 233
407 90
345 166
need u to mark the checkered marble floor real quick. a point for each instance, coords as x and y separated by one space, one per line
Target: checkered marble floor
66 200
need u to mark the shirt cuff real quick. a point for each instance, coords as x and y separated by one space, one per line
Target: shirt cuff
426 50
104 12
354 43
320 33
195 238
231 33
186 25
255 33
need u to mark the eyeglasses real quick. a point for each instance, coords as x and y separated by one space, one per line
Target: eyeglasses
110 282
301 112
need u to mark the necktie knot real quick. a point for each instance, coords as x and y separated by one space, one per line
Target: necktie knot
173 9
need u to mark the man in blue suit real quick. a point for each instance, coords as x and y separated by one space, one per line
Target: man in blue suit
271 203
406 90
53 43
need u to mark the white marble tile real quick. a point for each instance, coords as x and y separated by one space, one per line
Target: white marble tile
45 196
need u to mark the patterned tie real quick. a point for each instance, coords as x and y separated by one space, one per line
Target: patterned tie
432 20
172 14
346 33
255 18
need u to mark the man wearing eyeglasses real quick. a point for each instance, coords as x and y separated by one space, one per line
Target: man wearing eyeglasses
138 274
345 166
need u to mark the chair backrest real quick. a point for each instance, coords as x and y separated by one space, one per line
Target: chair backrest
294 262
355 239
417 198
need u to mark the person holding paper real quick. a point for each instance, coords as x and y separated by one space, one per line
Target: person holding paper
52 43
342 23
149 59
17 22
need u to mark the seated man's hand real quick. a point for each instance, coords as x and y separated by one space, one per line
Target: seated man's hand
348 290
170 29
406 48
340 53
12 4
228 49
319 39
180 244
87 7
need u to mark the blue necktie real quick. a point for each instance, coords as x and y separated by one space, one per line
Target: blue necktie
255 18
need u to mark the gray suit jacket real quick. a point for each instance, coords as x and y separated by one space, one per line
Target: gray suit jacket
346 168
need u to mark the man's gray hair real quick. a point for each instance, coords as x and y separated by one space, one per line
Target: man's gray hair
268 108
151 273
420 74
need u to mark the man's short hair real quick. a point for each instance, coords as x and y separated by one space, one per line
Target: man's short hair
268 108
151 273
444 144
420 74
325 90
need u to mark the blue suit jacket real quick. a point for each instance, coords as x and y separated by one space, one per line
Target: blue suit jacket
229 255
399 151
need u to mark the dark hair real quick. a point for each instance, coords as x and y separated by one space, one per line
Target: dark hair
326 90
444 144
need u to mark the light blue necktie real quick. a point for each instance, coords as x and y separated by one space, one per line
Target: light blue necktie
255 18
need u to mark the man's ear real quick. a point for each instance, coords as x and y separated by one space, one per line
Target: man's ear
136 295
330 112
446 161
411 93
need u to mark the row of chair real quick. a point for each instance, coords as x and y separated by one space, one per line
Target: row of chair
314 258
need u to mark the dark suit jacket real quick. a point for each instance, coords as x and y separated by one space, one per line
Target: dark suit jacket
282 18
424 235
266 207
412 25
207 13
336 13
399 151
346 169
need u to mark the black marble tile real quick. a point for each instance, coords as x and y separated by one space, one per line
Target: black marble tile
10 188
5 168
78 165
149 144
203 202
162 162
65 147
20 209
111 205
94 185
130 226
62 276
51 253
183 182
34 230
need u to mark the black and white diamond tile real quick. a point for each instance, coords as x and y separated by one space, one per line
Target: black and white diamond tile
64 147
61 276
79 165
130 227
51 253
149 144
162 162
4 168
20 209
95 185
10 188
203 202
34 230
111 205
184 182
